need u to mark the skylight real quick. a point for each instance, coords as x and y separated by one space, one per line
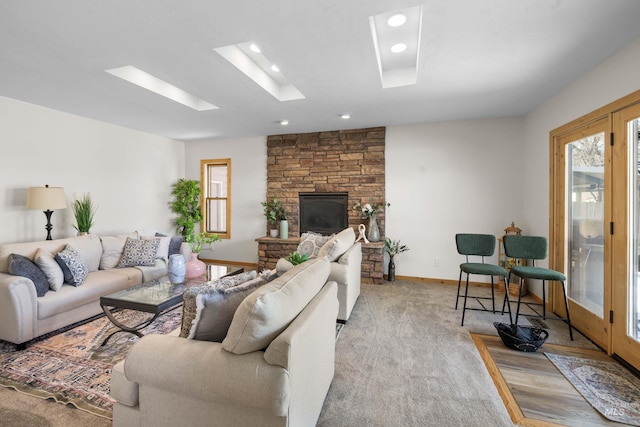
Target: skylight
154 84
248 58
396 39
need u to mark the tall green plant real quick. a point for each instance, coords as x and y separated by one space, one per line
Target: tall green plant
187 206
84 211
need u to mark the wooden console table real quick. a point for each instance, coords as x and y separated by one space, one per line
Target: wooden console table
271 249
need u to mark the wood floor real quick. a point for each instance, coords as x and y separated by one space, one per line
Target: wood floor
533 390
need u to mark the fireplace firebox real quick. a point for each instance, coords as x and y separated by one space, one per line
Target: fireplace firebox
324 213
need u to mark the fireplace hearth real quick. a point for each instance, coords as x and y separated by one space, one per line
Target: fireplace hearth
323 213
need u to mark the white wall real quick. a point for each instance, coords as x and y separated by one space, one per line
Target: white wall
448 178
612 79
248 188
128 173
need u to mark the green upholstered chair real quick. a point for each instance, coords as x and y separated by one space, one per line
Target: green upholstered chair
534 248
477 245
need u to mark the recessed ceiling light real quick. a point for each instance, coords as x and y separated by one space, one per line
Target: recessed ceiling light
154 84
397 20
254 48
345 116
275 68
397 48
284 122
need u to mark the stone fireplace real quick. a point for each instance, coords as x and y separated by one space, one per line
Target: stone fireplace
349 162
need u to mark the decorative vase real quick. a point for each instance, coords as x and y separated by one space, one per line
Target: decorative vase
195 267
284 229
373 234
177 268
391 274
274 232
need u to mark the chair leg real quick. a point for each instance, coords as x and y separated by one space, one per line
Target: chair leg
464 304
566 306
458 293
544 300
506 298
493 298
519 300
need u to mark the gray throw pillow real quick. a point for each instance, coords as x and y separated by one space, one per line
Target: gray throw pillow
73 267
20 265
174 245
207 310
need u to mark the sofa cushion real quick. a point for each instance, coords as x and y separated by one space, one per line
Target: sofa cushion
20 265
215 309
89 248
112 249
338 244
163 246
189 306
311 243
139 252
73 267
265 313
47 263
175 243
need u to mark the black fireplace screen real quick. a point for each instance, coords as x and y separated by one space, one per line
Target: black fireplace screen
324 213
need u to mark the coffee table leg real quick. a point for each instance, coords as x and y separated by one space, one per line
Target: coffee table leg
124 328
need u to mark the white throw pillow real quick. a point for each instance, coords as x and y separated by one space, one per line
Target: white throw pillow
338 244
266 312
47 263
163 247
112 248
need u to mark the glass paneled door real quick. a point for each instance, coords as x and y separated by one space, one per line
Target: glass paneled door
626 253
583 157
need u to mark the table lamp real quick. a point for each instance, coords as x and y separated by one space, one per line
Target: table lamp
46 199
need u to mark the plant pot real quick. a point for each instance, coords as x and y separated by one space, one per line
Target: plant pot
195 267
274 232
391 274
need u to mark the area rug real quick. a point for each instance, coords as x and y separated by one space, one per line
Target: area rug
72 367
610 388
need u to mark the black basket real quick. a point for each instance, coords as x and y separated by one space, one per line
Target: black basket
522 338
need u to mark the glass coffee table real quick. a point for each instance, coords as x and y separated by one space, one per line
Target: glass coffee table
156 297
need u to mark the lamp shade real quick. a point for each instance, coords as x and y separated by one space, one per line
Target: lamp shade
46 198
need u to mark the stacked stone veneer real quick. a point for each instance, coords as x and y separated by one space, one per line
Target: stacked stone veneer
349 161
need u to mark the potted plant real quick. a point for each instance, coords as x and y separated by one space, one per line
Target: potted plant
195 267
84 211
187 206
393 248
276 213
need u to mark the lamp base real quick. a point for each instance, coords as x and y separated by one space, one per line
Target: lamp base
48 227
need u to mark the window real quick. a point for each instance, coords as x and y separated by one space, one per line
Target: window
215 182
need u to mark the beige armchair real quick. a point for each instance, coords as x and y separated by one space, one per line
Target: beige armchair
345 256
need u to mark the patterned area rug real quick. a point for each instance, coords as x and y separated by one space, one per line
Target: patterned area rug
607 386
72 367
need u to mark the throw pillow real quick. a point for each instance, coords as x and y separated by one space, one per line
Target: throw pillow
20 265
112 248
189 308
163 246
215 310
311 243
74 269
265 313
175 244
139 252
50 268
338 244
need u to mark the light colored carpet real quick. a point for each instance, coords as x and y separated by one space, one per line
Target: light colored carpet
402 360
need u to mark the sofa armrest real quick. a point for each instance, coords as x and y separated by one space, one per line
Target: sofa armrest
207 372
352 256
18 308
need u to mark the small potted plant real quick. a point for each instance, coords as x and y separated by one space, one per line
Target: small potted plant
393 248
195 267
84 211
275 212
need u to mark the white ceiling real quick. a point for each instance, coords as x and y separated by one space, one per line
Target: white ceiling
478 59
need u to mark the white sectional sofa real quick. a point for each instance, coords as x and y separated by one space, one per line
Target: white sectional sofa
25 316
273 368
